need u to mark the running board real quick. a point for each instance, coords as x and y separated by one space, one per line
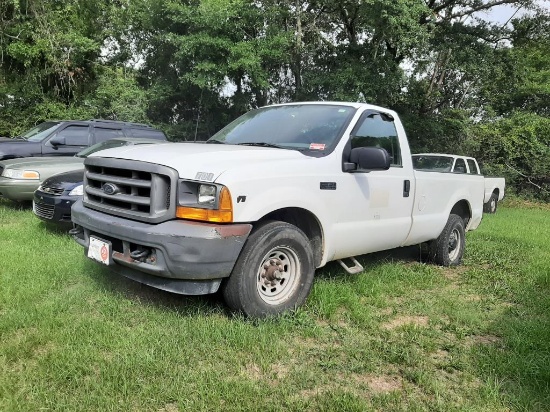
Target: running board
356 268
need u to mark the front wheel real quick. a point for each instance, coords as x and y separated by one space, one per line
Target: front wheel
274 272
448 248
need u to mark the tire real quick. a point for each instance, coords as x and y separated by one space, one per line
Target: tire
448 248
257 286
491 205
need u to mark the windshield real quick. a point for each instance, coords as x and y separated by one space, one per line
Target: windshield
40 132
301 127
433 163
107 144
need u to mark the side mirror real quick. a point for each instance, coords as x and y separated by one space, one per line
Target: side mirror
368 159
58 141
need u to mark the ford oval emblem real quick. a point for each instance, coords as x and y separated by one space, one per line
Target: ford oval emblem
110 189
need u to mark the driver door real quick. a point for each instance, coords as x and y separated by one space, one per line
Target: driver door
378 210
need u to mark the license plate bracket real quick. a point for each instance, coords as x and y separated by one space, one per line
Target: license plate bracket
100 250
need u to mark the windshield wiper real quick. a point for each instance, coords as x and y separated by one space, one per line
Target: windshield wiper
262 144
215 141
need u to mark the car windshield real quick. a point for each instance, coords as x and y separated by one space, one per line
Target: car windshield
299 127
107 144
40 132
433 163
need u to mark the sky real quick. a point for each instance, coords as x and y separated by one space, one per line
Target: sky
501 14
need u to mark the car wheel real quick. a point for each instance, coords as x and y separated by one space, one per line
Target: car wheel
491 205
274 272
448 248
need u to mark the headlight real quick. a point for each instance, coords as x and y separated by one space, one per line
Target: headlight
206 202
21 174
77 191
207 195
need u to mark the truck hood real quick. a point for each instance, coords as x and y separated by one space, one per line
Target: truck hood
200 161
18 148
67 180
39 162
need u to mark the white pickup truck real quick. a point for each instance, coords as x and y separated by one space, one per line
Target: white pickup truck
438 162
274 195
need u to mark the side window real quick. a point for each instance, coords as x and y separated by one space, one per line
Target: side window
104 133
75 135
460 166
473 167
376 130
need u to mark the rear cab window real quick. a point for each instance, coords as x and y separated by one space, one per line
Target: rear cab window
460 166
472 166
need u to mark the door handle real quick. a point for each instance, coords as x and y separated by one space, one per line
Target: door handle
406 188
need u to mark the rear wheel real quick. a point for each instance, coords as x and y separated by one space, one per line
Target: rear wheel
274 272
491 205
448 248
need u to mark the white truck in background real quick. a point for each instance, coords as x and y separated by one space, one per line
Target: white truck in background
273 196
437 162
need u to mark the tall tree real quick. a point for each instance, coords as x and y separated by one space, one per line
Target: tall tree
50 59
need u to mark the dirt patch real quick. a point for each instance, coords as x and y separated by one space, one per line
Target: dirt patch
380 383
453 273
473 298
169 407
43 350
305 343
253 371
420 321
280 370
440 355
385 312
483 340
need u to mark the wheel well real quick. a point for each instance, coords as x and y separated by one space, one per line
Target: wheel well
306 222
463 210
496 192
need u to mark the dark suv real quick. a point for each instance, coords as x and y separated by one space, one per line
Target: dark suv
66 138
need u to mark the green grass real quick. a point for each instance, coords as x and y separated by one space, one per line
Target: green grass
401 336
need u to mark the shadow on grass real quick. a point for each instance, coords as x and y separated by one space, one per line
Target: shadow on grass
372 260
14 205
213 303
182 304
60 230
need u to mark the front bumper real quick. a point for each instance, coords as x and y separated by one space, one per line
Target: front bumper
54 209
184 257
18 189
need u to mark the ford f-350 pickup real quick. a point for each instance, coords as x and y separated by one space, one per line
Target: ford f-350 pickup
277 193
437 162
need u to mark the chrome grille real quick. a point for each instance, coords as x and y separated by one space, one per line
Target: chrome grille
43 210
133 189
